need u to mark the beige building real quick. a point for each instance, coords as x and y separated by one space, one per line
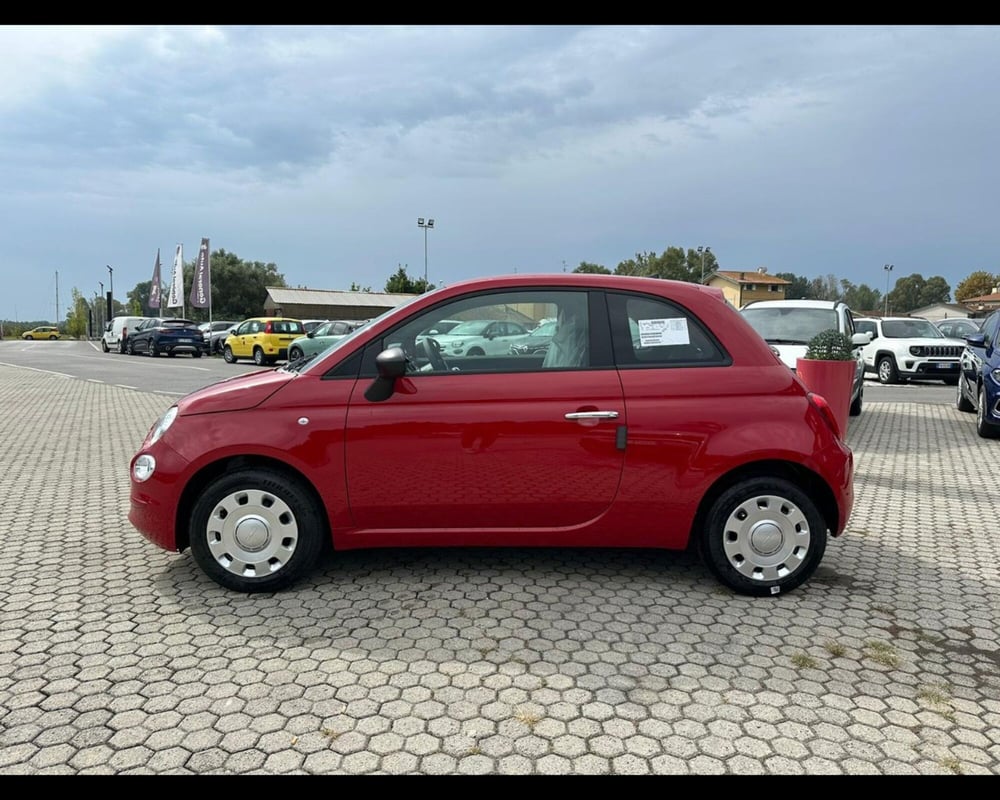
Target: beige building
741 288
327 304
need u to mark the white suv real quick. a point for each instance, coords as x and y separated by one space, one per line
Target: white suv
789 325
909 347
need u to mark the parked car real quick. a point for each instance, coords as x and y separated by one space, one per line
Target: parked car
215 333
979 377
442 326
789 325
41 332
116 333
534 342
322 337
907 348
312 324
263 339
480 337
958 327
170 335
694 435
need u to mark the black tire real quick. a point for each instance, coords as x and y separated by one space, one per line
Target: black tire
123 347
886 369
858 402
196 354
763 536
104 346
282 536
258 357
951 381
130 348
53 338
962 403
152 351
476 351
170 353
227 354
984 428
295 354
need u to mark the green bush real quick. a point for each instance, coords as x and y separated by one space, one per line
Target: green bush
831 345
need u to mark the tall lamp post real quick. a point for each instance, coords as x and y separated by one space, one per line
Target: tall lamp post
102 314
703 251
888 269
425 225
111 309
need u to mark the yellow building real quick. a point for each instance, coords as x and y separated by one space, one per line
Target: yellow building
741 288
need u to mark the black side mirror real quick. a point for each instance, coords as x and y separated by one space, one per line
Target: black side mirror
391 364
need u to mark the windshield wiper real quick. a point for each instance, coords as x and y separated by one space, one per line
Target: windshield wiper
769 340
299 363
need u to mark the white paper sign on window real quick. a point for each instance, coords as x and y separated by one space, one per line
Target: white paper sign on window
656 332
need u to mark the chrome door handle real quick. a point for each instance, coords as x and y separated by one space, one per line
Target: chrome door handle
592 415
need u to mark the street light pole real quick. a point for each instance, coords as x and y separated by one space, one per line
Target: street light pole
425 225
888 269
111 273
703 251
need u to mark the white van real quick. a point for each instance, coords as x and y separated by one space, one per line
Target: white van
116 332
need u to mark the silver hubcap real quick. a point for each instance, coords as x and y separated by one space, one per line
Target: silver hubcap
883 370
252 533
980 410
766 538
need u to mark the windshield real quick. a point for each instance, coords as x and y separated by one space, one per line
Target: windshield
472 328
794 325
325 329
910 329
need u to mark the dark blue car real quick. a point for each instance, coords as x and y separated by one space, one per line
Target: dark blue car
979 381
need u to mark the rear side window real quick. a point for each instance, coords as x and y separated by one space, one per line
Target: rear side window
652 332
287 326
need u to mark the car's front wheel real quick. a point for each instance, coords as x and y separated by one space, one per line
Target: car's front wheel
294 354
887 372
984 427
256 530
763 536
52 338
227 354
104 346
130 348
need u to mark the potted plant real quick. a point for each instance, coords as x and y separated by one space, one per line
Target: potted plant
828 369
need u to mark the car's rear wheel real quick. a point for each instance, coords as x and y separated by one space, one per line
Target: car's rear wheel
228 355
962 403
476 351
763 536
256 530
887 370
984 427
295 354
104 346
52 338
258 357
130 348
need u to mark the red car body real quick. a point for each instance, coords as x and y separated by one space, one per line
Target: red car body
491 459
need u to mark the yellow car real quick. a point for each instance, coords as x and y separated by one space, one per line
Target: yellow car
42 332
263 339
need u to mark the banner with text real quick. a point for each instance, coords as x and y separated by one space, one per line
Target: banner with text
201 286
154 287
176 299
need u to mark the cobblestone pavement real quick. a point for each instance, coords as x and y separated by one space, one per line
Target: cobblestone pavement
117 657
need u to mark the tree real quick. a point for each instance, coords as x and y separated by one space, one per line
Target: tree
976 285
78 315
825 288
799 288
936 290
914 292
860 298
355 287
401 283
592 269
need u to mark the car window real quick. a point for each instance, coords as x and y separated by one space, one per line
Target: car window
866 326
792 324
910 329
507 315
990 328
287 326
650 332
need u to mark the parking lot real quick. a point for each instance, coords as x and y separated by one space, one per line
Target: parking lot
116 657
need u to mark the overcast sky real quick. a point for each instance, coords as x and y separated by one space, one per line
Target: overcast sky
812 150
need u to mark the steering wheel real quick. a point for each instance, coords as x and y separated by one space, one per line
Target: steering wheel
432 349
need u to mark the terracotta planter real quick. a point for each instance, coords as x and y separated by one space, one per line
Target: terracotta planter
833 381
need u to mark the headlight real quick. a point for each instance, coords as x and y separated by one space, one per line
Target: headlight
916 350
163 424
142 469
995 374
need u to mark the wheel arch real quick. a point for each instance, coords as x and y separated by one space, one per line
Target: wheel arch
803 477
216 469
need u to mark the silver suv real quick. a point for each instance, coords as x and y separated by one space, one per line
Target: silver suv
789 325
909 347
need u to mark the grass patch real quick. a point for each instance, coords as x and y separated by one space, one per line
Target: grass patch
952 763
474 751
835 649
931 638
803 661
330 734
881 653
528 718
935 695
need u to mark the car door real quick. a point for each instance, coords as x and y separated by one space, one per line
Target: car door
488 443
975 356
242 345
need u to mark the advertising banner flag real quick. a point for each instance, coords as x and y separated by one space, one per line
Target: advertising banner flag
154 288
201 286
176 299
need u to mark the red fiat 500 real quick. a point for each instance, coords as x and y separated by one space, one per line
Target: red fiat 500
656 417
